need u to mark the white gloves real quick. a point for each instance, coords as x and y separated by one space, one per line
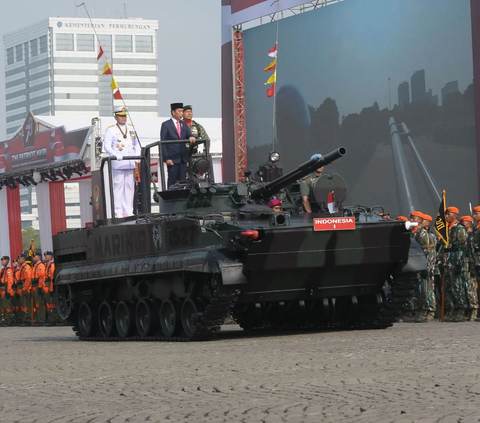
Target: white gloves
119 157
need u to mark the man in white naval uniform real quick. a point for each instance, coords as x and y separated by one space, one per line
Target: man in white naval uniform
120 140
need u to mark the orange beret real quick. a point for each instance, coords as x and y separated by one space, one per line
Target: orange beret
416 213
401 218
452 210
467 218
476 209
427 217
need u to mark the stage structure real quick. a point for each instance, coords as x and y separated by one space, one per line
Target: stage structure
334 81
45 157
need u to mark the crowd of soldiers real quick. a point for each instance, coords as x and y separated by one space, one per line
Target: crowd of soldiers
453 269
26 290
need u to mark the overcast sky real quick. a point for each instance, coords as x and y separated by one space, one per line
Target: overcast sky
189 40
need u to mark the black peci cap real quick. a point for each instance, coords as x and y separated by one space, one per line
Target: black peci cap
175 106
5 258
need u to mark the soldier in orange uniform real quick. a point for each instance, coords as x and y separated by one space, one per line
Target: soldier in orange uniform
6 291
38 287
49 304
15 298
24 284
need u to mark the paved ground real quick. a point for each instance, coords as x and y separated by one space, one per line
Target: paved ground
409 373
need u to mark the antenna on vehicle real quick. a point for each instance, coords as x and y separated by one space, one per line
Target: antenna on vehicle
125 9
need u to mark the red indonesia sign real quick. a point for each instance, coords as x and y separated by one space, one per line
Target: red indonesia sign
334 224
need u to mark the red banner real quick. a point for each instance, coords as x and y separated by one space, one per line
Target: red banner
334 224
238 5
34 151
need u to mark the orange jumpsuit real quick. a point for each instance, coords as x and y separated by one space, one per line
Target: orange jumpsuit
6 293
39 290
49 305
24 283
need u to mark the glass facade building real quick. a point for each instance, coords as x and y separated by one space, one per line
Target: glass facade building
51 68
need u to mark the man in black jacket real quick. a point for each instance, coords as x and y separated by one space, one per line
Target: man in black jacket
175 156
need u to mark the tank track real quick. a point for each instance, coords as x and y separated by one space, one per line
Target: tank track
399 293
208 326
389 311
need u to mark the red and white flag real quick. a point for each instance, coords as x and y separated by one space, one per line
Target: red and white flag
273 52
331 202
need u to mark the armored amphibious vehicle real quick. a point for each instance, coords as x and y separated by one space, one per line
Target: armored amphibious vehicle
217 250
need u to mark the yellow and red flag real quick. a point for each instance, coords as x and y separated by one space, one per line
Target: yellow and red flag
272 66
107 70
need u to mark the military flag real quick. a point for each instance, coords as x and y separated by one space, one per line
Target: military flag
31 252
441 227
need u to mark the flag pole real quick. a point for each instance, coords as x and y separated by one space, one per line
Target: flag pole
121 96
275 83
443 285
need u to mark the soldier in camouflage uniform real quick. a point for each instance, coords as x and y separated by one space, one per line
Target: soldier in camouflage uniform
197 130
470 273
307 184
453 267
476 248
416 307
432 268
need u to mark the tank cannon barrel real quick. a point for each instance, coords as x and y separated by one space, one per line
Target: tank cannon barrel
301 171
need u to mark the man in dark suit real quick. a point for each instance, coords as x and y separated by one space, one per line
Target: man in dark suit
175 156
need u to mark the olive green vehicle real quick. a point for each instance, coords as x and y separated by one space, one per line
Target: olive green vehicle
217 250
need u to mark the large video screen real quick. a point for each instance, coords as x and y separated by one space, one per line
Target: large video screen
392 81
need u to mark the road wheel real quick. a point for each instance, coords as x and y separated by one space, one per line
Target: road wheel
192 312
169 317
125 318
146 318
87 320
106 319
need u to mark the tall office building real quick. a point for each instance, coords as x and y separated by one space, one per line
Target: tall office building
418 85
449 88
51 68
403 94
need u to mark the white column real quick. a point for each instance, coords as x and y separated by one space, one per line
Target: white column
85 190
106 183
44 217
4 234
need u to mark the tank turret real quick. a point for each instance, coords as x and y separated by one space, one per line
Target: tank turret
200 194
271 188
